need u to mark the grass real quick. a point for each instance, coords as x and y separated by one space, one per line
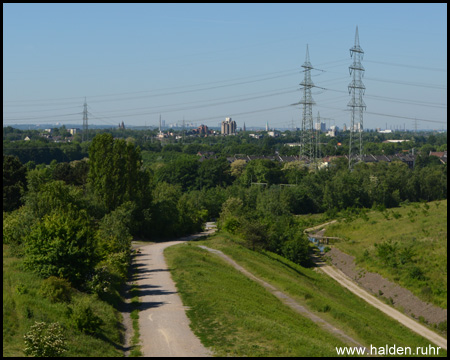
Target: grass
237 317
136 348
419 226
23 305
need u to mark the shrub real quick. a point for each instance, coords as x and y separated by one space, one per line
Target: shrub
61 245
101 280
442 326
44 340
16 226
297 250
231 224
83 317
56 289
416 273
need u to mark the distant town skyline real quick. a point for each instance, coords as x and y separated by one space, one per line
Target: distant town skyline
202 63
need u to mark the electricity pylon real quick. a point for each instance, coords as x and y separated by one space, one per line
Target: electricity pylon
307 130
85 134
356 90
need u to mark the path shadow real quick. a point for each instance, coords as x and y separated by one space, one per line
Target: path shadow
151 290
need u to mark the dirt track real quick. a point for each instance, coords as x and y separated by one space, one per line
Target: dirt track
342 279
287 300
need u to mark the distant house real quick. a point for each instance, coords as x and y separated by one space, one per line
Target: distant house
393 141
442 155
27 138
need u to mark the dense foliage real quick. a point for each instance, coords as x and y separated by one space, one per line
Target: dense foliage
72 218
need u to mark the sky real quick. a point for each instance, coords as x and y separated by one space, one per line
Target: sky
201 63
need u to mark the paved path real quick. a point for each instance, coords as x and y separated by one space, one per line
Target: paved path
287 300
345 281
163 323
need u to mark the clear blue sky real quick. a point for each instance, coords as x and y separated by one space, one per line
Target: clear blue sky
205 62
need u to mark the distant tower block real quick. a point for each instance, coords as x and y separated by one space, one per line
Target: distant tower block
356 90
307 133
228 127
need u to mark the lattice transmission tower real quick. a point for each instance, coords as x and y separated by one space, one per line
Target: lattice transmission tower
307 130
85 134
356 90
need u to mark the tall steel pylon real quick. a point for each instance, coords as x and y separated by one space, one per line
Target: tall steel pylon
307 130
85 134
356 90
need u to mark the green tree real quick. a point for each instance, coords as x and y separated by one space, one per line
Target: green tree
61 245
113 233
14 182
114 170
181 171
214 172
262 171
165 211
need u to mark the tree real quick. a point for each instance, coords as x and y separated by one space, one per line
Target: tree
181 171
214 172
114 170
237 168
254 233
62 245
14 182
262 171
165 211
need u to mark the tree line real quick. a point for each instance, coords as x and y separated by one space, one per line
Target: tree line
79 216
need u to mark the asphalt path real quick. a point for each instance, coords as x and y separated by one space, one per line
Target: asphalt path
164 326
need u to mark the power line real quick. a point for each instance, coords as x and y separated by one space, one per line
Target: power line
41 117
405 65
289 72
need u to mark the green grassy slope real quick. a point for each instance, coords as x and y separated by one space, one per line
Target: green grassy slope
23 305
237 317
420 227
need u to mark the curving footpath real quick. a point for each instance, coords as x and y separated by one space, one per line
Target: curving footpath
163 323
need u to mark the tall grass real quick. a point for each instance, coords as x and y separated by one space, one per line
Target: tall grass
419 226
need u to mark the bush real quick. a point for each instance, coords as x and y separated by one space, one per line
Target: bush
442 326
297 251
61 245
56 289
83 317
16 226
231 224
416 273
44 340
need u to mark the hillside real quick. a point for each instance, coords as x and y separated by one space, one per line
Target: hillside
24 304
406 245
226 309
